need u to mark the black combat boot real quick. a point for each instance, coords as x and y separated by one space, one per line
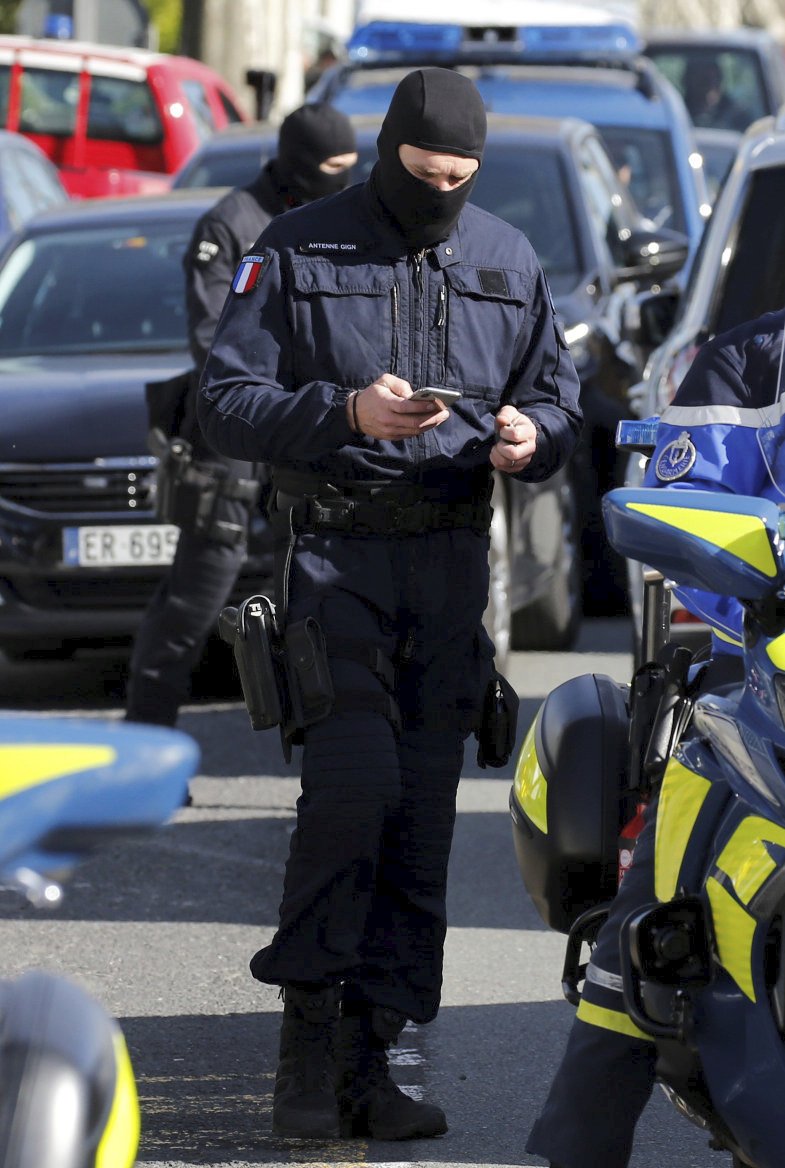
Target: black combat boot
304 1102
371 1104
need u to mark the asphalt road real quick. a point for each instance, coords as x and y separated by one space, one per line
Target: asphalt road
161 931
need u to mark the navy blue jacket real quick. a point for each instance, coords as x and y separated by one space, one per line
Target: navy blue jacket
710 439
336 301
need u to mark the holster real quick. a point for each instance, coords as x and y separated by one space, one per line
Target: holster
285 675
188 491
498 727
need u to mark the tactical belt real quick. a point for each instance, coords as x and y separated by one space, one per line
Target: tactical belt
386 518
189 491
378 508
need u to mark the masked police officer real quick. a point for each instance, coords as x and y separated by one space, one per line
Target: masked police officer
316 150
339 314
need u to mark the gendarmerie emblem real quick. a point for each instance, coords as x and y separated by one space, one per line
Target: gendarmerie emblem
676 459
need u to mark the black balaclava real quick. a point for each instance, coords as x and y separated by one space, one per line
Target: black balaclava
308 136
437 110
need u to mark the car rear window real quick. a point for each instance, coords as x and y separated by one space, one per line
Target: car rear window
90 290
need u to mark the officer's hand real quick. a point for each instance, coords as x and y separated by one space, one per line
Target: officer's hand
384 411
516 441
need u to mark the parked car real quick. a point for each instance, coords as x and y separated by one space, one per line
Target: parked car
92 307
590 71
113 120
588 234
737 275
742 70
29 183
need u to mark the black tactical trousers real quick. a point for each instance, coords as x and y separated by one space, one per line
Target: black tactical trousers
179 619
607 1073
365 883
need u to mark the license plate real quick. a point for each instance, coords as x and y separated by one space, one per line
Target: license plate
119 547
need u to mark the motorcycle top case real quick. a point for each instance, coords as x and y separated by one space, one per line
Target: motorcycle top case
570 798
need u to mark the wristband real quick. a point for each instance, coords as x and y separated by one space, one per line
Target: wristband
355 423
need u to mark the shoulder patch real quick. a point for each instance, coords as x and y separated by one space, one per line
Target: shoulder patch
249 273
206 250
493 282
676 459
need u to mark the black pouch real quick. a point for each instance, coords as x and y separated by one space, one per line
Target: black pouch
310 682
252 631
499 723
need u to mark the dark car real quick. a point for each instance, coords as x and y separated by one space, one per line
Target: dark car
29 183
92 307
727 77
553 179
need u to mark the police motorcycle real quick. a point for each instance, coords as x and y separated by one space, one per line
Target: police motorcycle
68 786
703 967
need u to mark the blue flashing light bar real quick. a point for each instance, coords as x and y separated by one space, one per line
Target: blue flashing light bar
400 40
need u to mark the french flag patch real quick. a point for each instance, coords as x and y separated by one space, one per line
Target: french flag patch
248 274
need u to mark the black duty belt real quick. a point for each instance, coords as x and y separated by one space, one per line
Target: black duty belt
377 508
384 517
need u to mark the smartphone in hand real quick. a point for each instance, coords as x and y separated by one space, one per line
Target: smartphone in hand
432 392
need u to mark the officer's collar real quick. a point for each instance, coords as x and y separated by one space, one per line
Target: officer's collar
388 240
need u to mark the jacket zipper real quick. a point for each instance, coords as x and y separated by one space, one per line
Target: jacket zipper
395 327
441 322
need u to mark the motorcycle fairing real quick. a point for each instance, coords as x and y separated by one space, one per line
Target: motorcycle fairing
682 795
728 544
68 784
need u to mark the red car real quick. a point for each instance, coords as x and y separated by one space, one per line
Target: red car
113 120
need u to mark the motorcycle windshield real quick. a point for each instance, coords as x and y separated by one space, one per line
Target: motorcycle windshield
771 432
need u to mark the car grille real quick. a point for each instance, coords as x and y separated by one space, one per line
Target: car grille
107 485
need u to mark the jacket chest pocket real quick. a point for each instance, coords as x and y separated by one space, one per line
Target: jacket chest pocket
486 309
343 321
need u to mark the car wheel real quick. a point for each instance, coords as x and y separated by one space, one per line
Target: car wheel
497 619
552 621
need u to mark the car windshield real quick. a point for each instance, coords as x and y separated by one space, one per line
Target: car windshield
95 290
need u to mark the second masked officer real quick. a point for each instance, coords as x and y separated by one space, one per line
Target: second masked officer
341 312
316 150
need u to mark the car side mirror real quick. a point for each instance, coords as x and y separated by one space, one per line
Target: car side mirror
655 254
